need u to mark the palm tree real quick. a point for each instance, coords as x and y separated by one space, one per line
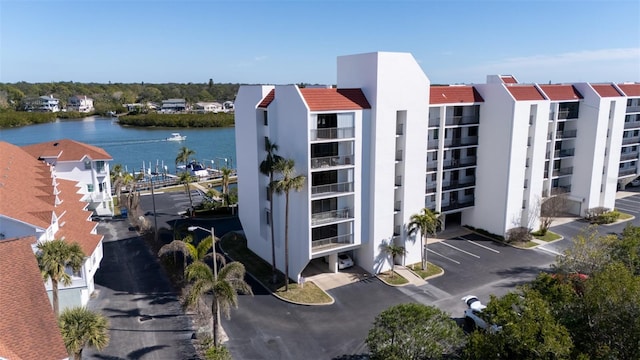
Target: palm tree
184 154
267 168
187 179
81 327
226 175
53 259
427 222
393 251
188 250
224 285
289 181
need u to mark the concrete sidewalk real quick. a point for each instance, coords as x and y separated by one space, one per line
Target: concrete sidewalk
409 275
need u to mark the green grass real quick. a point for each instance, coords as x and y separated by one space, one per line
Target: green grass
549 236
625 216
528 244
236 247
428 272
392 278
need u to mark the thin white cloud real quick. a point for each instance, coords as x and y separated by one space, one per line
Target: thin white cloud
569 58
260 58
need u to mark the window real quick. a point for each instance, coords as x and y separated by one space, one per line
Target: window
434 177
265 118
469 172
90 188
87 164
268 194
473 131
101 187
436 134
524 204
100 166
468 192
266 212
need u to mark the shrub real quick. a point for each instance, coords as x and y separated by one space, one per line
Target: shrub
594 213
217 353
519 235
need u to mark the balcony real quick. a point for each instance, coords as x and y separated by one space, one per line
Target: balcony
457 184
433 144
397 206
432 165
462 120
458 205
564 153
330 216
632 124
398 181
633 109
399 155
630 140
455 163
97 197
330 161
434 122
563 171
627 156
332 133
399 129
567 114
331 242
626 172
345 187
431 188
461 141
566 134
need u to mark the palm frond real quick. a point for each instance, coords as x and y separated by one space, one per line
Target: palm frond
198 271
174 246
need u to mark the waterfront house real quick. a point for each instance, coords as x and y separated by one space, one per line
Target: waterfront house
206 107
385 143
173 105
28 326
41 104
80 103
84 164
37 203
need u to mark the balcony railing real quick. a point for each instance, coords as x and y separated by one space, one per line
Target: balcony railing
97 197
454 163
462 120
431 188
332 241
397 206
632 109
457 184
566 134
399 155
432 165
332 188
399 129
458 205
563 171
330 216
626 172
567 114
630 140
329 161
462 141
332 133
631 124
433 122
398 181
564 153
433 144
628 156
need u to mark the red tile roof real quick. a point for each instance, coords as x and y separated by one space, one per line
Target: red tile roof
453 94
322 99
606 90
630 89
525 92
508 79
27 194
267 99
28 326
561 92
23 187
67 150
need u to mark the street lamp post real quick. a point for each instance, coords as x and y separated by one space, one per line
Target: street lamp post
155 218
215 269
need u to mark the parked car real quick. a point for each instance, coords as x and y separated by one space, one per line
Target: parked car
344 261
472 316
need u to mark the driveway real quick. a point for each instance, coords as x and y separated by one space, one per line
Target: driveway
145 316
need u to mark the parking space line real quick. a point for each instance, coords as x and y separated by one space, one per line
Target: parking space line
453 247
448 258
625 209
482 246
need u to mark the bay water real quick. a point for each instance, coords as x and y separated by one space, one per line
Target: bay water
134 147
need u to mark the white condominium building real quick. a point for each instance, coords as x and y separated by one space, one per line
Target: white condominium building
383 144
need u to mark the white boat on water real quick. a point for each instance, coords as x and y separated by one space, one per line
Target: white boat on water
177 137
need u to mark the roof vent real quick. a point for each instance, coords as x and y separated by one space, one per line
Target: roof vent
55 144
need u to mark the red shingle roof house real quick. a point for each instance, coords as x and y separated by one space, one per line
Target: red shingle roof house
28 327
36 202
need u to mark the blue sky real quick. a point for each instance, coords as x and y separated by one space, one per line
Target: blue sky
283 42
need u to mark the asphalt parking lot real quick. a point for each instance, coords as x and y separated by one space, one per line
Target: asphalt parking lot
264 327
